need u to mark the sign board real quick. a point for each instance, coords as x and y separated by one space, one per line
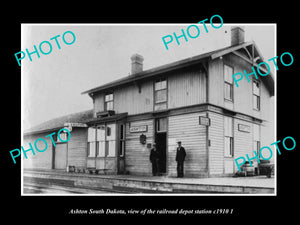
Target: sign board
204 121
138 129
75 125
244 128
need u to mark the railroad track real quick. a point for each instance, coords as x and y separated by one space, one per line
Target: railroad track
30 188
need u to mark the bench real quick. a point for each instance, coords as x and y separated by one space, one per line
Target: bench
89 170
96 171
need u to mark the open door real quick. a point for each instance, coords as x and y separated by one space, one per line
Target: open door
121 149
161 147
161 143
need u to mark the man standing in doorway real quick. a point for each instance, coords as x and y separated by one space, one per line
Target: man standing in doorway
154 158
180 156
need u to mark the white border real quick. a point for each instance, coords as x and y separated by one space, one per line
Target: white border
156 24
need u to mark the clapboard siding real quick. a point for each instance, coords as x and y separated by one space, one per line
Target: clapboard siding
137 155
76 150
216 149
243 141
242 99
186 128
186 88
267 127
130 99
41 160
77 147
216 82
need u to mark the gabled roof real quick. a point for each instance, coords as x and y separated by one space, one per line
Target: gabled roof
58 123
249 47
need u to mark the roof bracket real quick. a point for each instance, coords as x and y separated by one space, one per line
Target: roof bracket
204 67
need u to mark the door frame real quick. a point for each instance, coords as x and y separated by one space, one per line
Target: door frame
166 139
54 154
118 146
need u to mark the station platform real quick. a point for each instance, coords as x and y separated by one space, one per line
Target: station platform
129 184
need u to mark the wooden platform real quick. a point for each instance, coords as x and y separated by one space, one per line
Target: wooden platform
154 185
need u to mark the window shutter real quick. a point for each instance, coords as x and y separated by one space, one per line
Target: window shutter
91 134
256 133
228 126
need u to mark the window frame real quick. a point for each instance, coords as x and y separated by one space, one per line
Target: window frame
255 96
230 155
230 136
159 87
122 140
109 101
256 138
100 127
94 140
227 83
106 141
157 125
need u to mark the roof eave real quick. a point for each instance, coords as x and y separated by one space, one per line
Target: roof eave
268 80
42 131
218 54
152 72
181 64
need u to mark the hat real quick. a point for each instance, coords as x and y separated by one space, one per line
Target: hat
179 142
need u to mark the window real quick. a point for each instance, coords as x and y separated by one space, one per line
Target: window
111 140
109 102
228 146
256 138
122 140
101 141
161 125
228 83
228 136
160 94
101 149
92 142
256 95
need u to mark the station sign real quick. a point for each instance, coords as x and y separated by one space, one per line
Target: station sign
204 121
138 129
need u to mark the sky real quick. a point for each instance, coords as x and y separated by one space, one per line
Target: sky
52 84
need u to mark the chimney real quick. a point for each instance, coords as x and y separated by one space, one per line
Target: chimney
237 35
136 63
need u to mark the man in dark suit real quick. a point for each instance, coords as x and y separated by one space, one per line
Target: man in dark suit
180 156
154 158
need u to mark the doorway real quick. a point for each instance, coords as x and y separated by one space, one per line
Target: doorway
60 161
161 143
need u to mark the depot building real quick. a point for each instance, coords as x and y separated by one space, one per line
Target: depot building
193 100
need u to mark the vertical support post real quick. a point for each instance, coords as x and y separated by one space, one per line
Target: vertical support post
252 54
207 149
